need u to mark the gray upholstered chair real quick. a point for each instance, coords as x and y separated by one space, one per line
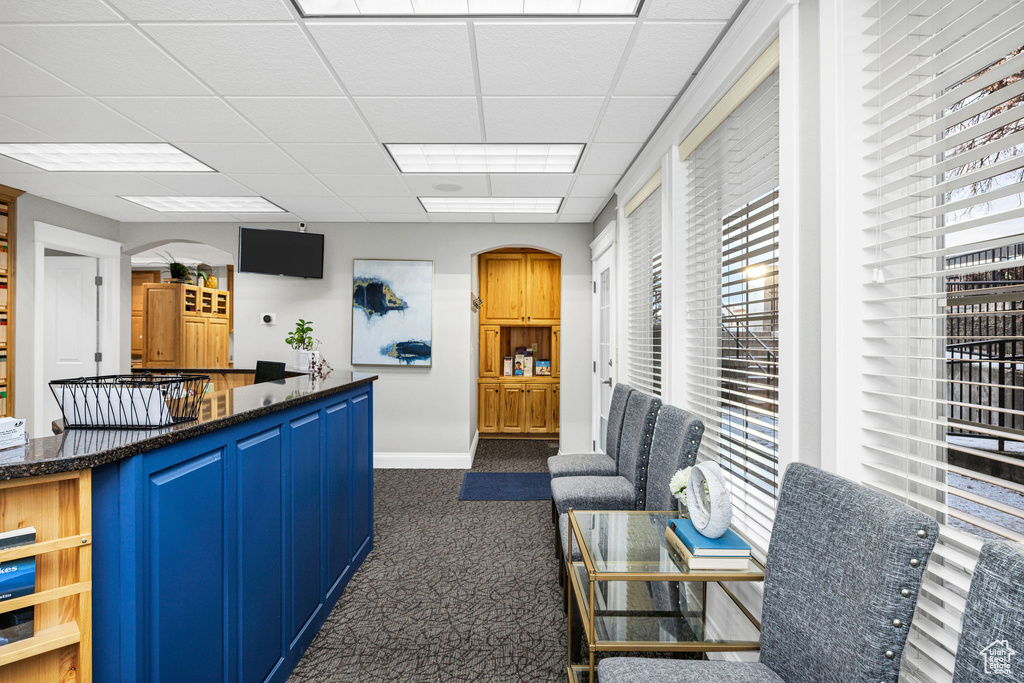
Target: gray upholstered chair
841 583
628 489
993 623
597 464
677 435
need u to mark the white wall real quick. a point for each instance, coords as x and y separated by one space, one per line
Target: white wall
417 410
30 209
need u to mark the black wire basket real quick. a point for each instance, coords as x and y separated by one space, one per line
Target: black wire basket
139 401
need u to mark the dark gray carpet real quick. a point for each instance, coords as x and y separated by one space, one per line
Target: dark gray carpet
453 590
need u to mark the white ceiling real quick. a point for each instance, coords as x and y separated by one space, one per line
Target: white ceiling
298 110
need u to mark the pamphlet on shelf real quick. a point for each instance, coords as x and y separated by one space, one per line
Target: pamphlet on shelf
507 369
17 578
527 366
542 368
519 364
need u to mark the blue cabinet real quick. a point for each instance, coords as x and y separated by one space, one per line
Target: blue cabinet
218 558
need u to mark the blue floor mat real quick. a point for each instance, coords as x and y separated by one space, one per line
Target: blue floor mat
506 486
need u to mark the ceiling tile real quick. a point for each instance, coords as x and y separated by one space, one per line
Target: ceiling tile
73 119
540 119
397 205
22 78
260 217
332 217
607 158
551 58
341 158
396 217
576 218
590 206
304 119
530 184
13 131
406 59
199 184
9 166
318 205
102 60
283 185
423 185
56 11
204 10
631 119
114 208
594 185
40 184
691 9
113 184
237 157
366 185
664 57
249 59
187 119
422 119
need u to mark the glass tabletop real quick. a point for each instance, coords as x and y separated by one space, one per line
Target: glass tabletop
629 544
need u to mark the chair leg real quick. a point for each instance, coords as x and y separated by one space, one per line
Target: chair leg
561 572
554 513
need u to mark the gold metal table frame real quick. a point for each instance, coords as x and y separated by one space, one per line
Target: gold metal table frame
583 576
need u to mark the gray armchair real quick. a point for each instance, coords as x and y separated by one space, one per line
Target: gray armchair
627 490
597 464
841 582
993 622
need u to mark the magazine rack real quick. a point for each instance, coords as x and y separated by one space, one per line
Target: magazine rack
139 401
59 506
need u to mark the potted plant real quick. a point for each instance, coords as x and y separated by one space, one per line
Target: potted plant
179 271
302 343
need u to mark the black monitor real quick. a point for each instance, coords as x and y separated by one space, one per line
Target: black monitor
280 252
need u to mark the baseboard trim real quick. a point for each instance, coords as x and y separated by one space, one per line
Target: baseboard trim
427 461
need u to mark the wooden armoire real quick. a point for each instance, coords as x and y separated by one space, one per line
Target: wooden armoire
521 292
184 326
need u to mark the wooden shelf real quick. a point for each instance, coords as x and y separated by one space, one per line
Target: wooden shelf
44 641
45 547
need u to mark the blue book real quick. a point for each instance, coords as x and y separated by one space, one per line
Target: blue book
729 545
17 577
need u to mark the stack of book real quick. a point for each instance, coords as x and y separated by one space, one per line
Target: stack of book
702 553
17 578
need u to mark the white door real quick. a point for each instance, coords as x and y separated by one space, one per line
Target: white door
604 342
71 321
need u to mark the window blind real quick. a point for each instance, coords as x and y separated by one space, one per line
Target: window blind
732 240
643 363
943 366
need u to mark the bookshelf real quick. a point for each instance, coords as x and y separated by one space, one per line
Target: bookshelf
8 208
59 506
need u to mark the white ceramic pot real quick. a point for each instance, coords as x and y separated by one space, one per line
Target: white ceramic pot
301 359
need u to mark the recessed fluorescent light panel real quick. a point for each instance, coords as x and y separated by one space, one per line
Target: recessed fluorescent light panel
486 158
207 204
467 8
491 204
127 156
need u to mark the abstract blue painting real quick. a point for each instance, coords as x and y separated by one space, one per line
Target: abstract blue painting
391 312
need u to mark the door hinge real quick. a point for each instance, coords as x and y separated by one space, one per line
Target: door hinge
99 280
593 283
593 446
98 357
595 366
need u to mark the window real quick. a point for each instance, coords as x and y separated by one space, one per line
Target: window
731 243
943 366
644 315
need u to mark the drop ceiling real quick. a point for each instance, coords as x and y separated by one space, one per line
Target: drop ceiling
298 110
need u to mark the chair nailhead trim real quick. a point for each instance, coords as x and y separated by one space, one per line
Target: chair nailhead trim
905 592
889 654
921 533
897 623
915 562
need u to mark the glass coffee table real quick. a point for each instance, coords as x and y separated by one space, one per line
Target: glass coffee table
635 593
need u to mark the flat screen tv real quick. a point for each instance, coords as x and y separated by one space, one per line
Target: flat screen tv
280 252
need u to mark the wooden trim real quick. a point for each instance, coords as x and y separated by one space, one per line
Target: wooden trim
762 67
44 596
231 299
43 641
643 193
44 547
9 196
7 191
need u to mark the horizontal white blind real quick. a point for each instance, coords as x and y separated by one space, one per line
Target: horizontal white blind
732 241
643 363
944 340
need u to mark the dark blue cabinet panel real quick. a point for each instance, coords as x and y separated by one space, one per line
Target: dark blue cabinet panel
339 493
260 555
304 508
185 544
222 555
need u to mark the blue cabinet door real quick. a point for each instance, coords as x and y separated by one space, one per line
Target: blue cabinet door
185 558
260 555
362 476
304 524
338 495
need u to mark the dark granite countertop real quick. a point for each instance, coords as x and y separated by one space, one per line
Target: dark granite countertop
79 449
206 371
